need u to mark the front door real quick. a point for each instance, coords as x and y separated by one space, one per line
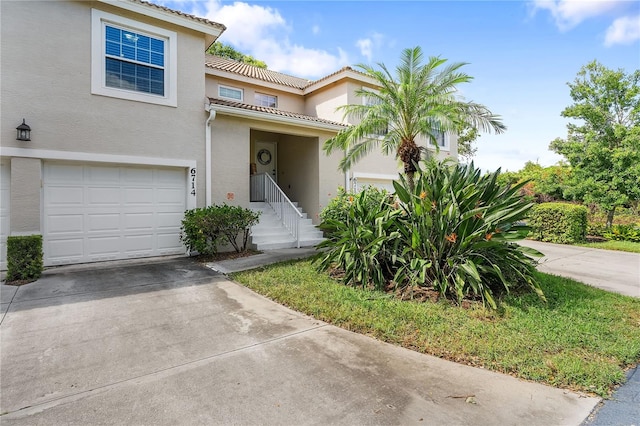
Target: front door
265 159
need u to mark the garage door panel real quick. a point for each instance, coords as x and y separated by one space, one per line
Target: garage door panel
109 195
66 195
103 246
112 212
139 195
172 196
170 176
56 173
103 175
66 249
138 221
100 222
169 220
170 243
65 224
137 176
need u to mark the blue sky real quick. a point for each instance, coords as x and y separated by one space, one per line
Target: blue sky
520 53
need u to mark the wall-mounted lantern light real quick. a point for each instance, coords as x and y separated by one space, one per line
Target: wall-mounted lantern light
24 132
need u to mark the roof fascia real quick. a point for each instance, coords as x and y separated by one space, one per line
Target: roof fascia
271 118
251 80
344 75
169 17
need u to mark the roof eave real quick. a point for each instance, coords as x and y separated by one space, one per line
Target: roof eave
251 80
264 116
343 75
213 32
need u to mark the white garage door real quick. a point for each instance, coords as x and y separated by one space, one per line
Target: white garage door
363 182
5 197
94 213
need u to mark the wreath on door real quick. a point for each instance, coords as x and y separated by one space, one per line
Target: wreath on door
264 157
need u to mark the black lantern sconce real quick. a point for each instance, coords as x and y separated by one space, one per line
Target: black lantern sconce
24 132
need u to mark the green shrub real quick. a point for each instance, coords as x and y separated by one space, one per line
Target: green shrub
623 233
454 233
338 207
359 239
559 223
24 258
203 229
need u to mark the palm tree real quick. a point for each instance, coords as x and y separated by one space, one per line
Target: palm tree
420 101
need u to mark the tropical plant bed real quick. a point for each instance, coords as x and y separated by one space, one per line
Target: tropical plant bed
581 338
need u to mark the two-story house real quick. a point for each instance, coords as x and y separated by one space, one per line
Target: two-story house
132 124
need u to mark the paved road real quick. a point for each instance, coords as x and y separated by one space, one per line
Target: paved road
610 270
174 343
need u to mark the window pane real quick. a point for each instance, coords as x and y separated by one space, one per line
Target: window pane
127 53
226 92
113 34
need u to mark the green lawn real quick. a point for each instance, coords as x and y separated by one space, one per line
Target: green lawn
615 245
582 339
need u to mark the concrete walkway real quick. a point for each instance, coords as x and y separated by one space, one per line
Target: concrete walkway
609 270
172 342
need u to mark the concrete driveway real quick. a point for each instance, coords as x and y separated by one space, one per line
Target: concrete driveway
170 342
609 270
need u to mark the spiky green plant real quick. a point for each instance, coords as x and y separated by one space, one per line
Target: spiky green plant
459 231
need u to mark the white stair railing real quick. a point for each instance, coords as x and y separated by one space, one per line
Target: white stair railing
273 195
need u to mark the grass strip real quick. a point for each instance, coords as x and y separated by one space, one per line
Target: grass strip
582 339
628 246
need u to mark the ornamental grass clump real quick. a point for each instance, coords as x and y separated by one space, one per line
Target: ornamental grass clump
454 232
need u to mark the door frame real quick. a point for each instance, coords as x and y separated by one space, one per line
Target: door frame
274 158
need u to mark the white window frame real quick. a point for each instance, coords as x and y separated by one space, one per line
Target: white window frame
99 20
222 86
266 96
445 141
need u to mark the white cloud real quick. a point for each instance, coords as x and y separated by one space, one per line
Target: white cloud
623 30
366 47
263 33
569 13
369 44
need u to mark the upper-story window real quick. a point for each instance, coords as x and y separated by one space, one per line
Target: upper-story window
441 140
230 93
132 60
269 101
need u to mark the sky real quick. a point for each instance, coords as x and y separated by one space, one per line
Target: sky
521 54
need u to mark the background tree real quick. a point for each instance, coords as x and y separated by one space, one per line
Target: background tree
227 51
420 100
466 139
604 147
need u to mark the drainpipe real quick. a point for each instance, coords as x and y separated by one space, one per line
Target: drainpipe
207 152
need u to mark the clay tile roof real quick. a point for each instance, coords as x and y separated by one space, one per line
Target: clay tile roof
229 65
184 15
274 111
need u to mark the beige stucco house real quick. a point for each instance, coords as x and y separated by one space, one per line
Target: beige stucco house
132 123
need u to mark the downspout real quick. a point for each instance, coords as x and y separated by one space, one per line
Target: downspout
207 152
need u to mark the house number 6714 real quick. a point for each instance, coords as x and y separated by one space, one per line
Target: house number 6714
192 172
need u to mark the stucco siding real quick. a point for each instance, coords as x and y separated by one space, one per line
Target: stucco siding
230 161
46 78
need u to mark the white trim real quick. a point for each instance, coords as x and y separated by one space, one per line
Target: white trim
374 176
258 102
224 86
98 86
207 149
275 118
46 154
166 16
86 157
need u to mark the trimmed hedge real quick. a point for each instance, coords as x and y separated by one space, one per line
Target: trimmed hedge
24 258
204 229
558 223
